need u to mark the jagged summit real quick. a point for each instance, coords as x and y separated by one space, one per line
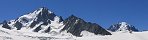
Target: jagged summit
43 20
35 21
123 23
123 26
73 16
75 26
45 9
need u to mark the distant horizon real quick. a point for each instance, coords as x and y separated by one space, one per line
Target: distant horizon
103 12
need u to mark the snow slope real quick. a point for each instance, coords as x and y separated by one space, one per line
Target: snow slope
118 36
6 34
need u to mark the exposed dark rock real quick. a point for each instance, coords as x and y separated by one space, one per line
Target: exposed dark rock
115 27
18 25
76 25
5 25
61 19
33 24
131 27
24 20
73 24
37 29
48 30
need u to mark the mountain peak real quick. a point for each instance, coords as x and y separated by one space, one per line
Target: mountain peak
41 16
73 16
44 21
75 26
123 26
42 12
44 9
123 23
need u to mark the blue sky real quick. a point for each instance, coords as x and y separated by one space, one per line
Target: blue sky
102 12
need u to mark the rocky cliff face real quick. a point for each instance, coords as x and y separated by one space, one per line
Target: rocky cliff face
76 25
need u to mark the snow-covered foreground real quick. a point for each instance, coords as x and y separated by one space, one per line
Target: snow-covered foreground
6 34
118 36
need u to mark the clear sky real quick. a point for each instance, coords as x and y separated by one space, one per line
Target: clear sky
102 12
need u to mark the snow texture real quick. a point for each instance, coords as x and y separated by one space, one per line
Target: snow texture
26 35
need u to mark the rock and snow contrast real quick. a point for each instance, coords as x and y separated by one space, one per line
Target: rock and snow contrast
75 26
123 26
43 24
7 34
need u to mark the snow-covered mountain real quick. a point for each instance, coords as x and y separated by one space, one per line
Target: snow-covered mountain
41 20
7 34
44 21
123 26
43 24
